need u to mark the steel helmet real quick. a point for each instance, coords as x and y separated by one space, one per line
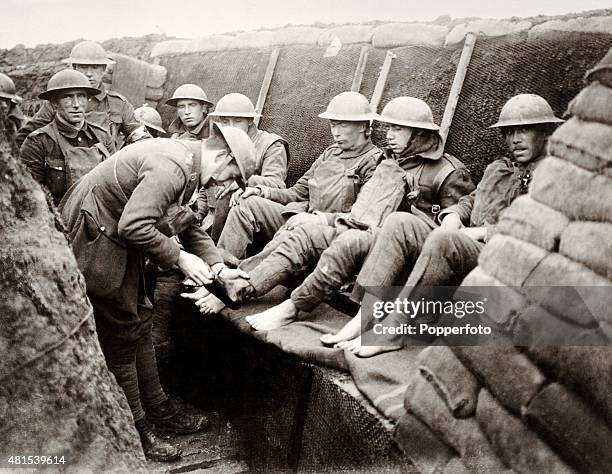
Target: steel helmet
188 91
525 109
240 146
7 89
408 112
149 117
67 79
88 52
349 107
235 105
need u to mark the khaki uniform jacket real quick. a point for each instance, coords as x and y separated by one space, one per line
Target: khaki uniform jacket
503 181
108 109
130 206
178 130
44 157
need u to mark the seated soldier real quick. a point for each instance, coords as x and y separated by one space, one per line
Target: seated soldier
108 109
136 199
272 152
451 251
68 147
416 178
192 108
151 125
329 187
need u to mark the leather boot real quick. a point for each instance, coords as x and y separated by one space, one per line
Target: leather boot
153 447
231 292
169 418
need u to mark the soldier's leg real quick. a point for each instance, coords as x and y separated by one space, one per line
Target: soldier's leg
447 257
222 210
254 218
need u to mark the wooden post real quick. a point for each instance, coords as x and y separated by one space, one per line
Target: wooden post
361 64
265 85
453 97
382 81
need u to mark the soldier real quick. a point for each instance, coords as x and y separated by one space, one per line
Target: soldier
68 147
329 187
108 109
9 105
192 108
136 199
272 154
151 125
451 251
415 177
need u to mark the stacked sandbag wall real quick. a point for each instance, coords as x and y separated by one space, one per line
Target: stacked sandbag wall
544 406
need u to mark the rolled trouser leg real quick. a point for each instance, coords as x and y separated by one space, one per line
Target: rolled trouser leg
294 255
337 266
255 218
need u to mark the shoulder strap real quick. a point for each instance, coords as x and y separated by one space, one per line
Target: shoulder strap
57 137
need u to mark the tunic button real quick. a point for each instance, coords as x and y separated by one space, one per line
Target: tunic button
102 229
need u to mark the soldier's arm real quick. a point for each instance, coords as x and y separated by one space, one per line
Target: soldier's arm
44 115
457 185
198 242
463 208
129 122
298 192
33 154
274 168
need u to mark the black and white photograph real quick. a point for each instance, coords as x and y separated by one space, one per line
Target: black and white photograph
311 236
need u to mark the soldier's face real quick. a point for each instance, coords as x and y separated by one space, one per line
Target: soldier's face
71 105
93 72
5 105
525 143
191 112
346 134
239 122
398 137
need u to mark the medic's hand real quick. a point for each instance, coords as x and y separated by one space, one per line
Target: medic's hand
195 268
451 221
476 233
234 199
226 190
303 218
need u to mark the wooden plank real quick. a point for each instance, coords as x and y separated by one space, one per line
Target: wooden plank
265 85
361 64
382 81
453 97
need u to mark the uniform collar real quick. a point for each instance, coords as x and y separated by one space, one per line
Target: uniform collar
100 97
16 112
69 130
367 146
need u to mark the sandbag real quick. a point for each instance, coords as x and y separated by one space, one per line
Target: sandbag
578 193
130 77
585 144
537 327
252 39
455 466
550 285
593 104
464 435
154 94
589 243
157 76
453 382
210 43
533 222
510 260
485 27
508 374
594 24
570 427
585 370
421 446
169 47
516 445
296 35
348 34
392 35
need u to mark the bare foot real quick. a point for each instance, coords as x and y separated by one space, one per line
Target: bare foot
273 318
210 304
354 346
350 330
